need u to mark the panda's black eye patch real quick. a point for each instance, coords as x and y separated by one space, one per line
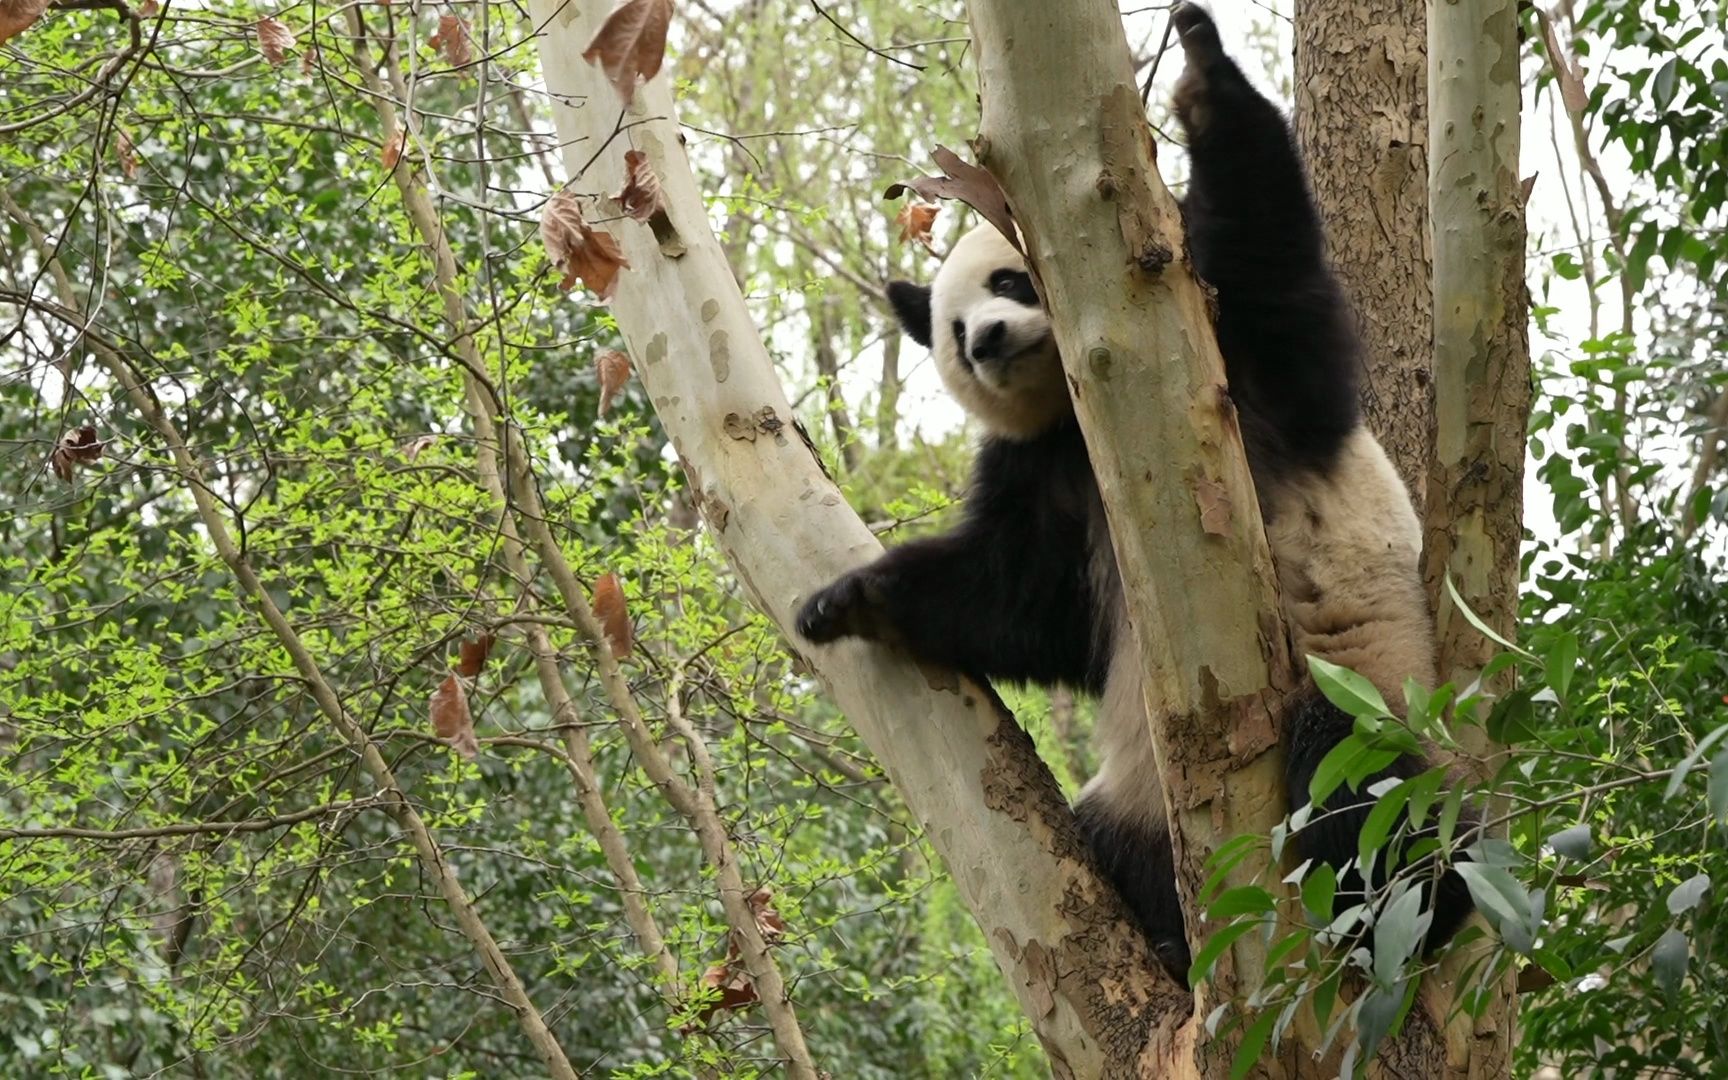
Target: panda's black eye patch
1016 285
960 336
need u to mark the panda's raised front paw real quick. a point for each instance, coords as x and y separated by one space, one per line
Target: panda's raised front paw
1203 54
850 607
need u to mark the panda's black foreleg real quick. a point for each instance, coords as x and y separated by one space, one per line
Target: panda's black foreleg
988 600
1137 860
1312 727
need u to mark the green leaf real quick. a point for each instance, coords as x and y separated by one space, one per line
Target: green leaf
1561 662
1349 691
1319 889
1242 900
1686 895
1667 82
1668 959
1380 820
1253 1041
1497 893
1351 761
1475 620
1675 781
1719 788
1216 946
1638 259
1573 843
1397 932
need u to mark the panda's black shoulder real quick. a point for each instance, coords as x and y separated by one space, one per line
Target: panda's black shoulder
1044 482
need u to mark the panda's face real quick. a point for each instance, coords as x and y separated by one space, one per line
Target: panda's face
990 336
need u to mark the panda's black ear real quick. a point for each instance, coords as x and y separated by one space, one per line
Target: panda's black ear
912 307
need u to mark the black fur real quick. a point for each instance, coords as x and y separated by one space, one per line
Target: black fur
1139 863
1008 594
911 305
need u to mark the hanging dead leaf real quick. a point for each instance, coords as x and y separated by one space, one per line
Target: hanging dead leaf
308 60
274 39
148 9
451 39
613 369
1526 186
631 44
915 220
614 616
473 652
77 447
578 249
395 142
768 921
126 154
729 988
1566 73
414 447
17 15
970 184
641 197
451 720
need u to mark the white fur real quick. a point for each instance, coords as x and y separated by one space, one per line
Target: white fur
1021 393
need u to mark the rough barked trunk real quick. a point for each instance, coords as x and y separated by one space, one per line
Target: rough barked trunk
1362 122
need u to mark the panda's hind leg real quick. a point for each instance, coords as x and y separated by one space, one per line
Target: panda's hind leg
1135 857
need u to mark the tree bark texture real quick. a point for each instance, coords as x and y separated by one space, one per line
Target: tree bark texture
1473 518
1362 121
1081 971
1064 132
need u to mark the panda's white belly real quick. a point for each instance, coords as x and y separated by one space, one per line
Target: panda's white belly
1347 547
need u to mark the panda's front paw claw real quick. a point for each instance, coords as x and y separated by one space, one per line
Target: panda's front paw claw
843 609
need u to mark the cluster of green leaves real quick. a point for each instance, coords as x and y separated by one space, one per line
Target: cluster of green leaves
247 253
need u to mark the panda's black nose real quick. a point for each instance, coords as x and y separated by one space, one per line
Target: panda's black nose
988 344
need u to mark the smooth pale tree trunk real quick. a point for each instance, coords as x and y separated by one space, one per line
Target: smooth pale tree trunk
1473 519
1081 972
1361 119
1065 134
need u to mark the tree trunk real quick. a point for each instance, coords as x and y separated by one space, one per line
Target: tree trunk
1473 519
1064 132
1081 971
1362 122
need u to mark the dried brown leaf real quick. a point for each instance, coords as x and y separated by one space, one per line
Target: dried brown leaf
16 16
149 9
732 986
473 652
915 220
126 154
768 921
1526 186
631 44
451 720
395 142
308 60
451 39
80 446
614 616
613 370
641 197
970 184
416 446
578 249
274 39
1566 73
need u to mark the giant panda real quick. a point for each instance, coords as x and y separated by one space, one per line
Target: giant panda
1026 588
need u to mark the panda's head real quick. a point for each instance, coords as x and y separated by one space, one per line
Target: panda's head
991 338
